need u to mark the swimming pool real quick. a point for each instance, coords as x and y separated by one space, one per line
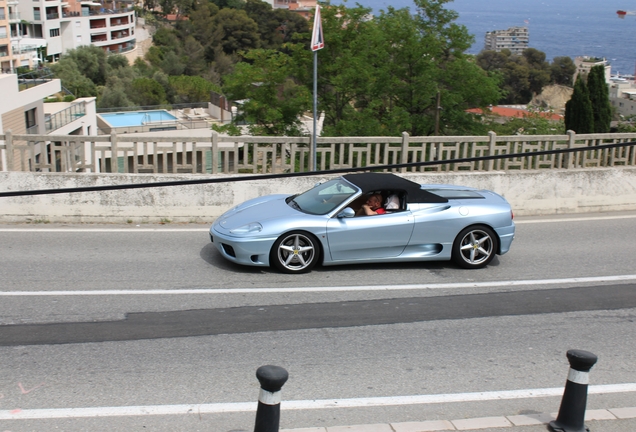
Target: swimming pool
137 118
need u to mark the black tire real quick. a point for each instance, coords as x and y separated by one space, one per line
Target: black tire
475 247
295 252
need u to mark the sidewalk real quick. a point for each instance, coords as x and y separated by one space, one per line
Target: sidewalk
624 419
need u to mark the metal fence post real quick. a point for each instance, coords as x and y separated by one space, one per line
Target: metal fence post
571 416
272 379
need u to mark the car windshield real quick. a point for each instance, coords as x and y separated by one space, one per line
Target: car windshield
323 198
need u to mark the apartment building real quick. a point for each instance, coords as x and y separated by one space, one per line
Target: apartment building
5 42
60 26
585 63
515 39
15 49
303 7
23 113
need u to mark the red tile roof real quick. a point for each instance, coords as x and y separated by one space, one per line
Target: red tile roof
515 112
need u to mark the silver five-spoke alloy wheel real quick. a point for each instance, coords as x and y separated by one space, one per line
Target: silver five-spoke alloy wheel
475 247
295 252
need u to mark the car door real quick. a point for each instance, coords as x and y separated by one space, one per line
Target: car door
364 237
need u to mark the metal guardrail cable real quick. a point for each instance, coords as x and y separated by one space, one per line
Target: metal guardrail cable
312 173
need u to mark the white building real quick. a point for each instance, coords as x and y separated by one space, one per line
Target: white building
65 25
584 64
23 112
15 50
305 8
515 39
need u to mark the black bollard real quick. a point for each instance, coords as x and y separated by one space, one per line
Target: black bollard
272 379
571 416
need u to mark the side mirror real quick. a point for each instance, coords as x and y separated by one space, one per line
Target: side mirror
346 213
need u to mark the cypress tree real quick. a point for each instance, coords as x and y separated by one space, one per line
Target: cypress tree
599 96
579 115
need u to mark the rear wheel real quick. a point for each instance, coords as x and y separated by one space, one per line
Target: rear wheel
475 247
295 252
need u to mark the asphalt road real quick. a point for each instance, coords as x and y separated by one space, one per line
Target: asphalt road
97 320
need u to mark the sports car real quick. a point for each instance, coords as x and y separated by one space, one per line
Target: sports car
323 226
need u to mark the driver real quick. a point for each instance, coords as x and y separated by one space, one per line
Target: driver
373 206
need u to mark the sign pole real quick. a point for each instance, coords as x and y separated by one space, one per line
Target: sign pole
315 143
317 42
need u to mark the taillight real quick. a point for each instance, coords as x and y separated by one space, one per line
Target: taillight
512 215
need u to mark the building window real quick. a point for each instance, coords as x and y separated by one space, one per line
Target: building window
3 32
54 32
29 118
2 15
36 14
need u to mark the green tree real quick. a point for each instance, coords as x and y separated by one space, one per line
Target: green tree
234 31
89 61
116 61
382 76
599 96
114 97
539 75
272 97
522 76
72 78
275 26
193 57
232 4
533 124
172 64
147 92
579 115
190 89
562 71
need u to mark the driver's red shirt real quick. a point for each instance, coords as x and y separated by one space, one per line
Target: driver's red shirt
380 211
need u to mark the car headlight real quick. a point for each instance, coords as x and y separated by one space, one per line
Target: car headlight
250 228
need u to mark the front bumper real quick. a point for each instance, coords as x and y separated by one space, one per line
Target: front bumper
252 251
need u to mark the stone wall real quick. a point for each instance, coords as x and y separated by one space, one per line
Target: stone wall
541 192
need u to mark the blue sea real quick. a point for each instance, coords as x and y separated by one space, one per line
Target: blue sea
557 27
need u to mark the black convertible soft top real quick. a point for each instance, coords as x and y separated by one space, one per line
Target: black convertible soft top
369 182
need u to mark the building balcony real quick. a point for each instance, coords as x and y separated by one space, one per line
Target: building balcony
26 45
96 12
121 35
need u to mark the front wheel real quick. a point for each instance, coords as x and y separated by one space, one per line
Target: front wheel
295 252
475 247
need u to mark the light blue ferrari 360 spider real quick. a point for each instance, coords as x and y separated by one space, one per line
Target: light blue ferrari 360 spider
323 225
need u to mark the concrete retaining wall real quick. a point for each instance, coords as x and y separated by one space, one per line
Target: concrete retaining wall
541 192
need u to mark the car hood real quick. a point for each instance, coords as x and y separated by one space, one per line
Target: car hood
259 210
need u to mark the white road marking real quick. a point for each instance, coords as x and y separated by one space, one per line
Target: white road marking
574 219
458 285
217 408
102 230
172 230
